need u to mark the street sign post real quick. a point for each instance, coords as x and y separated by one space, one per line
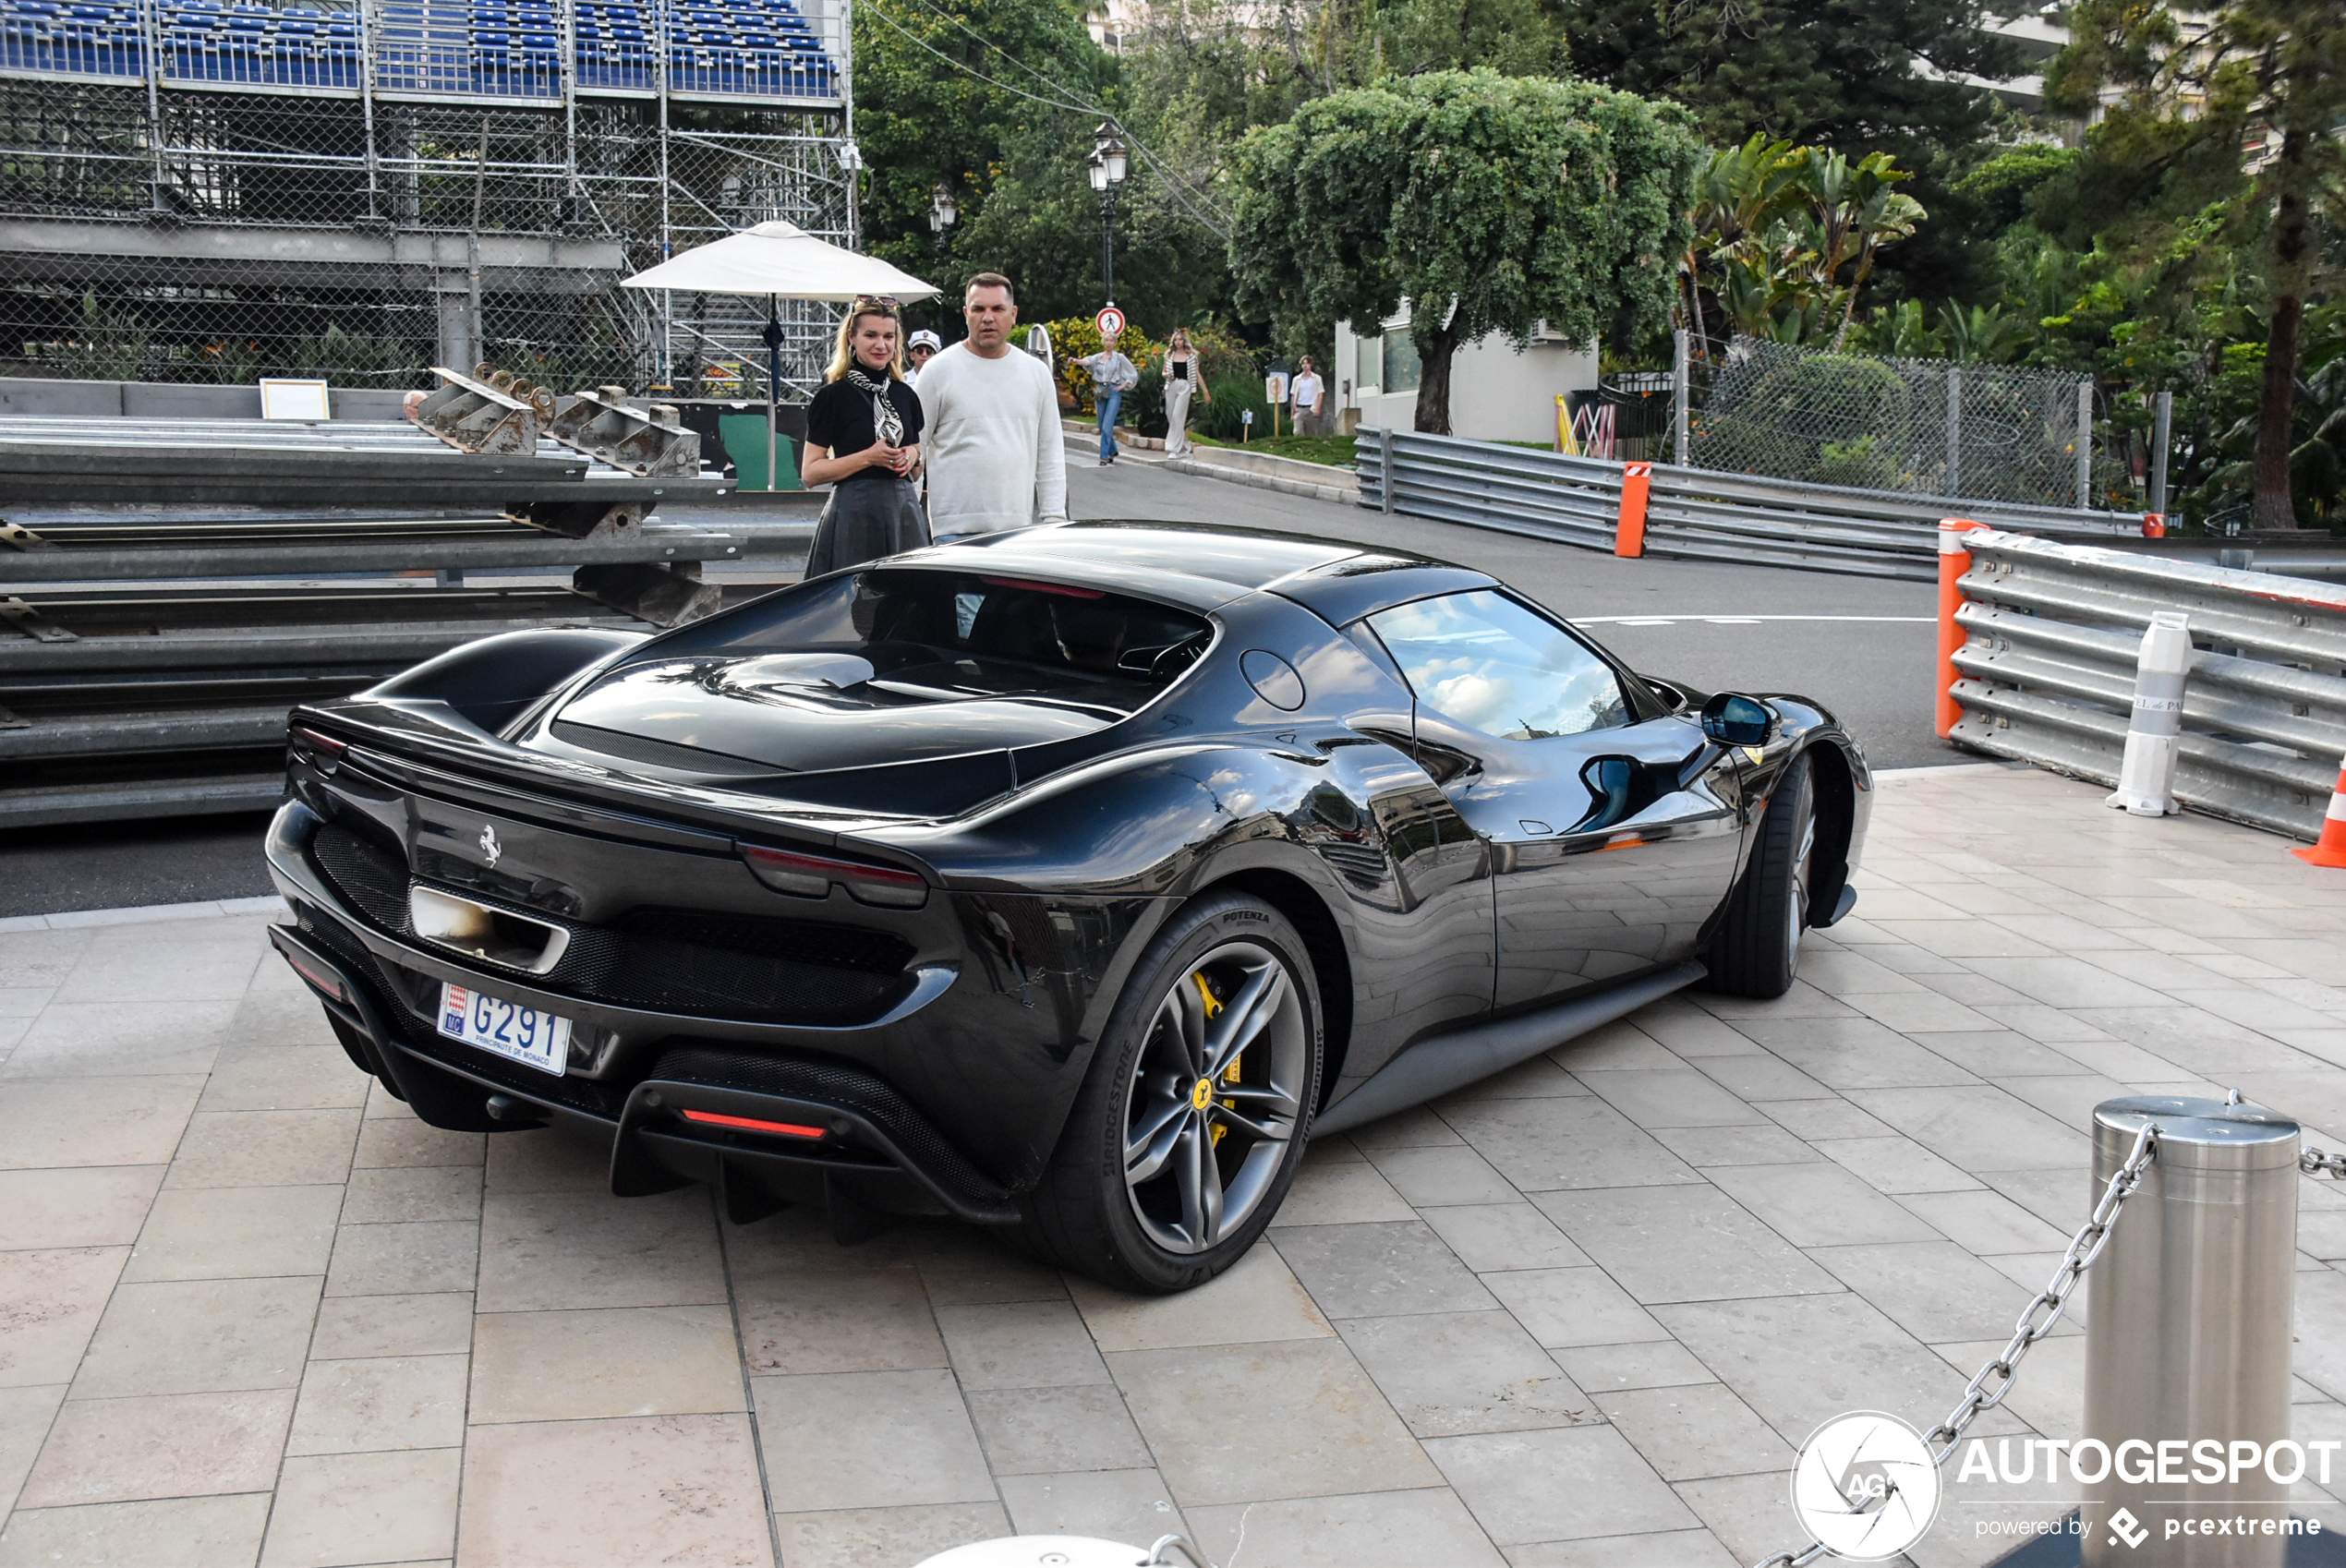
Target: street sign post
1110 321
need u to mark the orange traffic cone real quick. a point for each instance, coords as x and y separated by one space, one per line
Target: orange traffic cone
2330 848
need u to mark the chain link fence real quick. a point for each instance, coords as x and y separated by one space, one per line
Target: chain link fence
1922 426
176 235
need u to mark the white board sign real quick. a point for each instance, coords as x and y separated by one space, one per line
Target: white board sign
287 398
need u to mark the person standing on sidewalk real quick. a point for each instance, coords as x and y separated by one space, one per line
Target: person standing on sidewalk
1184 372
862 440
1308 392
996 455
1112 376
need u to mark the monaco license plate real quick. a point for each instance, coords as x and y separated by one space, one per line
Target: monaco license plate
524 1035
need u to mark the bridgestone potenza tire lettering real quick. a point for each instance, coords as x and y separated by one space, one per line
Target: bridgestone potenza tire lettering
1757 952
1186 1134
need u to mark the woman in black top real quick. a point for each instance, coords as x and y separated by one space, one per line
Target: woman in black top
862 440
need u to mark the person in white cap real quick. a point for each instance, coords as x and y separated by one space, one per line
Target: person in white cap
920 348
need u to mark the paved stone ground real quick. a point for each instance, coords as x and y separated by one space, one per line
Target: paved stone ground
1577 1315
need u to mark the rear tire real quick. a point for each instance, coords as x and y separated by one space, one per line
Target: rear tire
1757 952
1185 1137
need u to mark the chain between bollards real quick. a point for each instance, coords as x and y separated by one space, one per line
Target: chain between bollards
2084 1248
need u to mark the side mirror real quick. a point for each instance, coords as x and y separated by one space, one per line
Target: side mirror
1733 720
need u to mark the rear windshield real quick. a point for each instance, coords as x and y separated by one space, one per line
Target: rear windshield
948 635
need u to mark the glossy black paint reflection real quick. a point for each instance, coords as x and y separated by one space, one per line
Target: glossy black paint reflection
1442 875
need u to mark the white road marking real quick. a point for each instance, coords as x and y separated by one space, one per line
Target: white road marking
1739 620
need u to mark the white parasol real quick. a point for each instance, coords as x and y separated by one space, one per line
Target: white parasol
780 261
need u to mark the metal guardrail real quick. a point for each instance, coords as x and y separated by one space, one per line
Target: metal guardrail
1687 513
140 673
2046 672
61 459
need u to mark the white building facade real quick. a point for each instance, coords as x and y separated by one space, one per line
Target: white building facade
1498 392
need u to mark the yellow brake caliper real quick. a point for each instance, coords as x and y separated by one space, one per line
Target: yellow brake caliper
1230 1073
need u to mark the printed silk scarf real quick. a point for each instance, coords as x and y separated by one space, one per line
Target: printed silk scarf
885 418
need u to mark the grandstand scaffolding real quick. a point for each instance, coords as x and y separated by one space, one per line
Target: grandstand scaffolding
200 191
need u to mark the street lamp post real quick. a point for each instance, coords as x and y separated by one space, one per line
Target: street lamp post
942 214
1107 169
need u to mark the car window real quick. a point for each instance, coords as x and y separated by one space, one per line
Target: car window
1484 660
941 635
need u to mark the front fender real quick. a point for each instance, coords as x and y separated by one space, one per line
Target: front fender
1844 793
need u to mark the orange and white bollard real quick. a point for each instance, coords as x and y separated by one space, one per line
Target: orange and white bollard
1629 529
2330 848
1953 561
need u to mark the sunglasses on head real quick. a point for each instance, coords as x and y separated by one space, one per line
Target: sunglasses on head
880 302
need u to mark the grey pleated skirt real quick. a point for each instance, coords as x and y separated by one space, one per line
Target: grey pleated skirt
864 520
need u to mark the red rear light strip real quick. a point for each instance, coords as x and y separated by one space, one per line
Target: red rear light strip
1032 586
788 1129
326 745
318 977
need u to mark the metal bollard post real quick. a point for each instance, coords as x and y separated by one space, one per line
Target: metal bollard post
2187 1341
2162 423
2085 444
1680 393
2147 774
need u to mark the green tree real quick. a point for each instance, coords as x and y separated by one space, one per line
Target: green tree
928 110
998 100
2164 182
1202 72
1857 74
1488 202
1783 238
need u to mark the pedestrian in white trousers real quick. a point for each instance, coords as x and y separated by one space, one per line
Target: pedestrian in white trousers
1183 372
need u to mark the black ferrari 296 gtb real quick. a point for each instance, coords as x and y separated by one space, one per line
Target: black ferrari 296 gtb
1067 878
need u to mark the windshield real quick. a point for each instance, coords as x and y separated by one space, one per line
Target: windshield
939 637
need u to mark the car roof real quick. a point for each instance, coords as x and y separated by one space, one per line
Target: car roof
1204 565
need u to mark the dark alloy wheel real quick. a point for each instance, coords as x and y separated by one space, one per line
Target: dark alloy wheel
1186 1135
1757 952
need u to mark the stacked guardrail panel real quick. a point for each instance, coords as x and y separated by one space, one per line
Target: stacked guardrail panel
2046 672
163 599
1691 513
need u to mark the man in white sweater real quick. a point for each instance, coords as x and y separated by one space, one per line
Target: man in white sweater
992 441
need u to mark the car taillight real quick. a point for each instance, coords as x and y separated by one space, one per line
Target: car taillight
751 1123
320 750
810 876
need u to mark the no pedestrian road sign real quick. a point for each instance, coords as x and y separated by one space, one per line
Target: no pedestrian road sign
1110 319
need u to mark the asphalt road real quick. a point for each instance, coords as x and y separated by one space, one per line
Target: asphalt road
1861 647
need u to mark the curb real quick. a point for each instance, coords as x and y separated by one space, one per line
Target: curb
1338 495
137 914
